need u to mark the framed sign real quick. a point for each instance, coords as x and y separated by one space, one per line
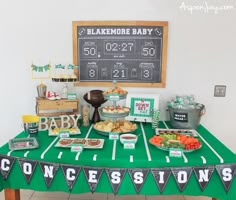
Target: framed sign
142 106
40 71
133 53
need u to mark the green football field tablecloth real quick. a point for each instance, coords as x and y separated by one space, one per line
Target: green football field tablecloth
113 155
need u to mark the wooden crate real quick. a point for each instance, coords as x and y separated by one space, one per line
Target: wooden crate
49 108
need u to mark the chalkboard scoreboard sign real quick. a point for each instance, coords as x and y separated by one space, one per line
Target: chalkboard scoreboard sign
131 52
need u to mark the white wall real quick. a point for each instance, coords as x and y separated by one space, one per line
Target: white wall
201 49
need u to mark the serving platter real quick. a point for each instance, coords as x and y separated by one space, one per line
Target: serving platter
58 131
168 148
179 140
190 132
23 143
119 126
88 143
115 114
106 133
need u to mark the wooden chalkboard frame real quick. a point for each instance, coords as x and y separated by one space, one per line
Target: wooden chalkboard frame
164 24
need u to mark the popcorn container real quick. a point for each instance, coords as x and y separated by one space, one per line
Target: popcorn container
31 124
41 89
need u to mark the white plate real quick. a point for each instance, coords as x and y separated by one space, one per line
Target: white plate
71 131
86 143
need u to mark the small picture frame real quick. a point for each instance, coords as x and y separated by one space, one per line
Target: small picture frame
41 72
142 106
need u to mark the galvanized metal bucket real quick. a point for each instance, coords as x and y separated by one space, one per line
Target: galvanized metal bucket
186 118
41 89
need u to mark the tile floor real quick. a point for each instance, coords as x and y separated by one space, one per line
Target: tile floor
33 195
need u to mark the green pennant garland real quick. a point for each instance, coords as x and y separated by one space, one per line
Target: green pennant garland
34 68
59 66
76 67
40 68
46 67
70 66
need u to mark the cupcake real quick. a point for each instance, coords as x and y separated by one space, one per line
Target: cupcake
73 77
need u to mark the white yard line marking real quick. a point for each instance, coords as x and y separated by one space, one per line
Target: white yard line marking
26 154
59 155
145 143
9 152
114 150
94 157
45 151
214 151
203 159
185 158
89 131
167 159
77 156
131 158
165 125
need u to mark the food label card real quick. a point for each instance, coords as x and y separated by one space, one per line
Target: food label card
174 152
77 148
64 134
72 96
114 135
129 145
114 97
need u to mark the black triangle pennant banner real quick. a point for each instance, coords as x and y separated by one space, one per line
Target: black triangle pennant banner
138 177
71 174
115 176
161 176
203 175
93 176
6 164
182 176
226 173
49 170
27 168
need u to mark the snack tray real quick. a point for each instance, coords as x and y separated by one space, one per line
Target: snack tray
121 96
167 149
88 143
23 143
114 115
190 132
58 131
106 133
